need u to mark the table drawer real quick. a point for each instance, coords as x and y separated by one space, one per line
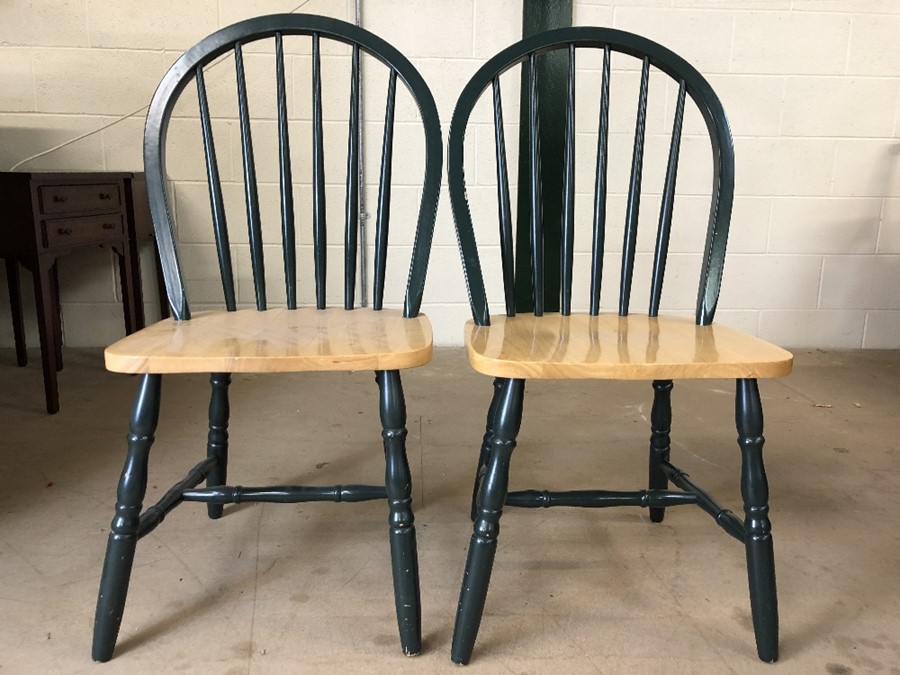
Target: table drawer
72 198
67 231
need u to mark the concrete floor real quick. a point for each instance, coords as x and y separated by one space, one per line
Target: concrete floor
306 588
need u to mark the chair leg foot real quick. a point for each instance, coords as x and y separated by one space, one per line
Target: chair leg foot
398 484
660 445
763 597
217 440
113 591
123 535
755 492
404 564
494 486
477 576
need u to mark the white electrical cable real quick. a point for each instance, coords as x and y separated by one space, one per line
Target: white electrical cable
107 126
78 138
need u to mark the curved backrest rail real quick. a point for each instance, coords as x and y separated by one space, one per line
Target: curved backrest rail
717 229
288 233
427 209
567 249
251 194
633 205
503 203
351 209
229 40
666 207
217 204
524 53
600 188
320 234
534 166
383 217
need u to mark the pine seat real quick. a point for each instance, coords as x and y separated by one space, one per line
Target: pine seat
277 340
608 346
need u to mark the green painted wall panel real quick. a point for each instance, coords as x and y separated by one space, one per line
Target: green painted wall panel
538 16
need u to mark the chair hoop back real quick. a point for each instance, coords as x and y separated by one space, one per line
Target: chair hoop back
189 67
691 83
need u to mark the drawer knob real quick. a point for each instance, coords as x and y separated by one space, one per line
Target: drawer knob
109 226
65 230
105 195
59 199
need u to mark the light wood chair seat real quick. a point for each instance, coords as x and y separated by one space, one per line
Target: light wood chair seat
608 346
276 340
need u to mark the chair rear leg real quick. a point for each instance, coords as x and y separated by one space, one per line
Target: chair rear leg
660 427
398 484
217 441
123 533
485 446
755 492
483 546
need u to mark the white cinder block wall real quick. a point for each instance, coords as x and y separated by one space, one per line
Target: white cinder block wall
812 89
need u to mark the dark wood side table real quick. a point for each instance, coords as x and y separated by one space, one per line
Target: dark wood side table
46 215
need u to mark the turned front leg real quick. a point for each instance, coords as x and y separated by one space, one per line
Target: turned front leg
123 533
755 492
492 495
660 445
398 484
485 445
217 440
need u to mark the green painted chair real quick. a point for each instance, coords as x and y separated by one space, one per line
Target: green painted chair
289 338
613 344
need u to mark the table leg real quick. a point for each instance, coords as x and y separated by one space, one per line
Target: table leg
137 292
57 316
15 306
129 298
46 311
140 225
161 285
